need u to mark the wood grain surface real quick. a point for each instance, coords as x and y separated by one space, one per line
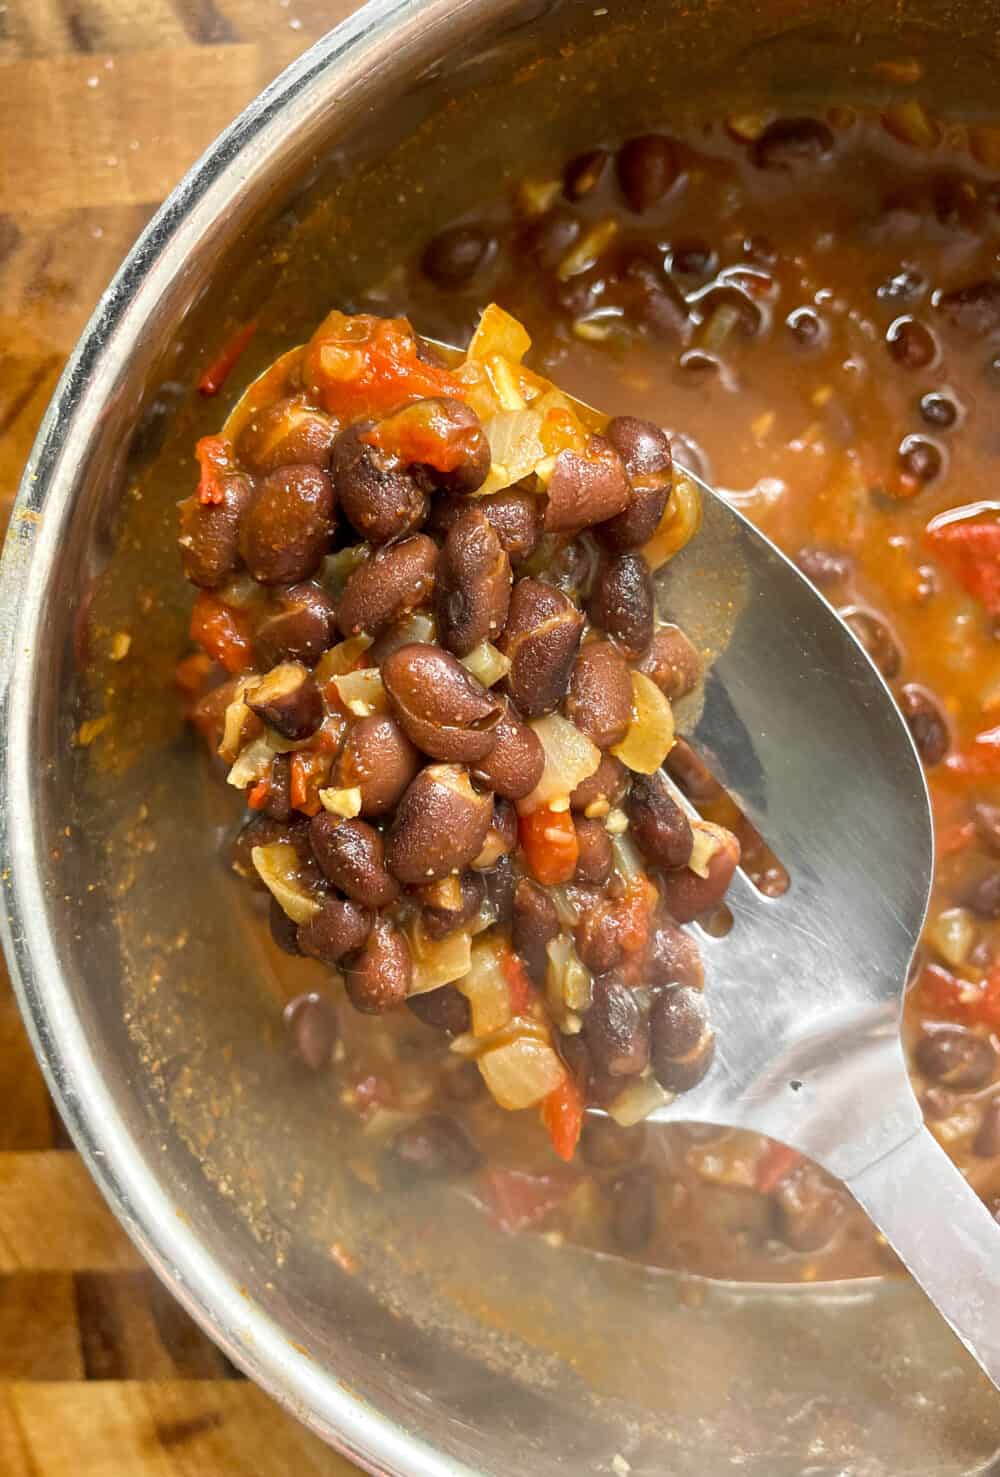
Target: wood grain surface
104 104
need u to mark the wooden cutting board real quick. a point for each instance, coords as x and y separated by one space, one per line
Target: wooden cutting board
105 104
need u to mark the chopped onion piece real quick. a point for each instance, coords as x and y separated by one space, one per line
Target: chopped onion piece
650 736
953 934
640 1098
438 962
252 763
346 803
486 663
628 862
277 867
515 448
486 989
616 823
566 975
705 843
566 909
587 251
497 332
679 524
342 658
238 725
570 758
522 1072
362 692
338 568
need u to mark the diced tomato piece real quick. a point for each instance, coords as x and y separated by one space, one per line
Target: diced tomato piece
515 1200
215 376
776 1161
550 844
224 633
257 798
942 993
426 434
215 458
522 991
970 547
309 771
368 366
562 1114
955 838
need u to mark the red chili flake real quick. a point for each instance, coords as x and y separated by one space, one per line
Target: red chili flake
215 376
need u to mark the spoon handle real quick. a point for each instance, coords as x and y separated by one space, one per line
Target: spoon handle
942 1232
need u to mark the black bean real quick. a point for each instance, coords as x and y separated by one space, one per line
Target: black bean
450 903
300 629
955 1056
516 517
682 1043
674 958
439 827
604 1144
261 830
535 924
377 978
540 640
435 1147
974 309
546 239
647 168
807 328
339 928
351 854
441 707
693 259
397 579
658 825
791 143
671 662
987 818
686 895
825 567
911 343
472 594
622 602
583 174
380 498
925 721
983 896
445 1009
937 410
596 859
289 525
920 460
284 930
807 1209
514 765
645 453
278 804
379 760
210 533
633 1208
603 789
440 437
311 1021
877 639
499 881
457 255
287 699
599 700
291 432
615 1029
586 487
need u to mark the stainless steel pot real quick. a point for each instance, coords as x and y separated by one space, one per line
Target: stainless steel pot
404 1329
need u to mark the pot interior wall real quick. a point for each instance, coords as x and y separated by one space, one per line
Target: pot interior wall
504 1353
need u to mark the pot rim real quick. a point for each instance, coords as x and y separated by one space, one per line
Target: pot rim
320 78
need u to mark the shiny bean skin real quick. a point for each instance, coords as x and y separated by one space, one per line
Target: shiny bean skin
288 700
535 924
876 638
604 1144
311 1022
380 499
278 804
658 825
351 854
377 978
615 1029
954 1056
546 240
632 1216
440 914
586 488
792 143
288 526
339 928
300 629
674 957
379 760
435 1147
647 167
288 433
926 722
472 594
596 858
210 533
444 1009
686 895
540 640
645 452
499 880
440 706
284 930
682 1043
514 765
439 826
396 579
455 256
599 700
671 662
622 602
516 517
603 789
